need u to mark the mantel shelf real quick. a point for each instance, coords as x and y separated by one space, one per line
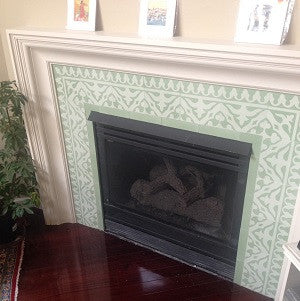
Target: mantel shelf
288 51
258 66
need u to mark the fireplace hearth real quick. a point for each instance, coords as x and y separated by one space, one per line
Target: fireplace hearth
178 192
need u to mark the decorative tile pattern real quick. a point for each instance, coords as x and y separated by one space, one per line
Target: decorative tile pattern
271 115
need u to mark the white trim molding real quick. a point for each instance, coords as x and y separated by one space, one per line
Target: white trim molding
33 52
294 238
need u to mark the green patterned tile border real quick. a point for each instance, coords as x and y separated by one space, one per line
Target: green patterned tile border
269 120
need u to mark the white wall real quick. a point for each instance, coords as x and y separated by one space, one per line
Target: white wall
3 69
197 19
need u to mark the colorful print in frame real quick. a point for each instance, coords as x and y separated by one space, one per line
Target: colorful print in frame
263 21
81 14
81 10
157 12
157 18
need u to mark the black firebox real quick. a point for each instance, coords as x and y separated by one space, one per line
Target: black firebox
178 192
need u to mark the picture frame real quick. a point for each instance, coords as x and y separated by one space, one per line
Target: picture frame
263 21
81 15
157 18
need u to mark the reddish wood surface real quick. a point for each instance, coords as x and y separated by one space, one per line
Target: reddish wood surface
74 262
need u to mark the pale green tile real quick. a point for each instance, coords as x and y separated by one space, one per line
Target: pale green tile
188 126
242 244
239 265
145 117
96 176
263 107
114 112
163 84
104 110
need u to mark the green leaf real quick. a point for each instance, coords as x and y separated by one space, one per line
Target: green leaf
28 210
17 172
15 226
4 211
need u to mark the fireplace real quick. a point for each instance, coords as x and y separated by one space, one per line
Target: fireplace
242 93
178 192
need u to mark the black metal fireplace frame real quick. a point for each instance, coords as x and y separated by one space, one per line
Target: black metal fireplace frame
225 153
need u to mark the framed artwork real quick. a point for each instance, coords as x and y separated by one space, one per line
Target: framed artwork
81 14
263 21
157 18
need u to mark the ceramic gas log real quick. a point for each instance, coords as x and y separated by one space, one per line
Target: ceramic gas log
185 191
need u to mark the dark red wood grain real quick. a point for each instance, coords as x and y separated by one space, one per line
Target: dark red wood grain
74 262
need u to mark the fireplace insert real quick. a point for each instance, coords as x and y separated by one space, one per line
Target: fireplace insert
178 192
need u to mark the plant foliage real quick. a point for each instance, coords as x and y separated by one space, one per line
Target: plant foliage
18 185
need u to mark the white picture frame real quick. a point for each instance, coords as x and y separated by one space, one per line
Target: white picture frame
157 18
81 15
263 21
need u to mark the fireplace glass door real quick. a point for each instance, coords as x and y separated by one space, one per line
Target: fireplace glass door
177 186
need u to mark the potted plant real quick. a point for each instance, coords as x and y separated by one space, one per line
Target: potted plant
18 186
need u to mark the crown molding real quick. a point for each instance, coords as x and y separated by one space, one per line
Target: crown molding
267 64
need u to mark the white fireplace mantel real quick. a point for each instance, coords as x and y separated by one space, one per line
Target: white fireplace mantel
269 68
33 52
